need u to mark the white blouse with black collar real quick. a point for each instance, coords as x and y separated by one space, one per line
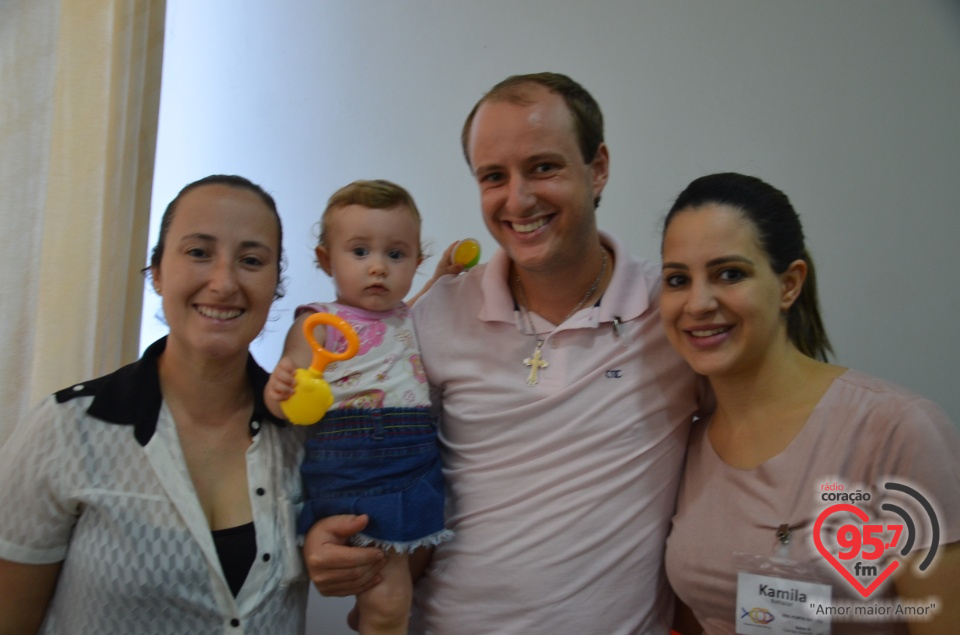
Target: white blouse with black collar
95 478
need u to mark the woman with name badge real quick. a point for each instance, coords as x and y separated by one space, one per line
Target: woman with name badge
816 498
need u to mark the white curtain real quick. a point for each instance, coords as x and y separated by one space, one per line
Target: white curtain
79 96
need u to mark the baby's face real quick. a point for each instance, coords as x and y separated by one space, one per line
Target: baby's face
372 255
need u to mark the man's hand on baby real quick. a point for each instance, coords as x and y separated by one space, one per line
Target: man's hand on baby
335 567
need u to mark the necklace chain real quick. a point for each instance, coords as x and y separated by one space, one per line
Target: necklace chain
536 362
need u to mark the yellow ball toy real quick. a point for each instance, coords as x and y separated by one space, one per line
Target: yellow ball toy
312 396
466 252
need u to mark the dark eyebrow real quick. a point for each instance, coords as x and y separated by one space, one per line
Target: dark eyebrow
485 169
533 159
254 244
723 260
540 157
198 236
246 244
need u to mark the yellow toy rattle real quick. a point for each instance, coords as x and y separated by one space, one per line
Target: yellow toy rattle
312 396
466 252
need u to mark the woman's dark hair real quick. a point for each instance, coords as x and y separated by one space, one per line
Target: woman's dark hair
781 238
156 255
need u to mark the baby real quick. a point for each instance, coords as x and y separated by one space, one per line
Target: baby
375 451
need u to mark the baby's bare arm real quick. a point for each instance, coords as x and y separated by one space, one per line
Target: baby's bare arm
445 267
297 353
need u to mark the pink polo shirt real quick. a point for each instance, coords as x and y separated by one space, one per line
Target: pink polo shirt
561 493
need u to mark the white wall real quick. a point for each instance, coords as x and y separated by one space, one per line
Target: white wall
849 107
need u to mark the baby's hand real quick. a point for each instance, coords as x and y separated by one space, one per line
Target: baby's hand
280 387
445 267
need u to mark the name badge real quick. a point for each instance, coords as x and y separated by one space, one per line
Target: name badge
770 605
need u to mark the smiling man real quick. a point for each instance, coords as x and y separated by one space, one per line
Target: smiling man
564 411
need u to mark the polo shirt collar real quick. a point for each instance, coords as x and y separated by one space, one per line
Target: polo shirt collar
626 297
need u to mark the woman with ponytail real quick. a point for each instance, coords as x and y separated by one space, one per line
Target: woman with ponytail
790 437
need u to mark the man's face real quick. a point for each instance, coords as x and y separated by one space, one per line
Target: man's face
536 191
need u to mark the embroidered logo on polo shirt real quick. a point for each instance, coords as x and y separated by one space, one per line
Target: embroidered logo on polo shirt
615 373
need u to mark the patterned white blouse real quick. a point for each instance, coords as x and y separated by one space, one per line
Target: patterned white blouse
96 478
